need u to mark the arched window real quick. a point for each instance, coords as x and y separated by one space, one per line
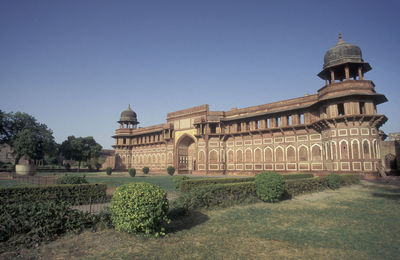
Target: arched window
303 153
279 156
355 149
169 158
375 147
366 150
239 156
334 151
249 156
290 154
213 156
344 151
230 156
201 156
316 153
268 155
257 155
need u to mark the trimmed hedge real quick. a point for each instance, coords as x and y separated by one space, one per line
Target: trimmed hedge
270 186
69 193
71 179
188 185
295 176
29 224
219 195
178 179
297 187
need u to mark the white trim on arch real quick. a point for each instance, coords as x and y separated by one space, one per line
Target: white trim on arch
340 148
358 147
320 149
283 152
294 149
272 154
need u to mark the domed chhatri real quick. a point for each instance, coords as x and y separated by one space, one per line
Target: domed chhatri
128 115
128 118
343 61
342 53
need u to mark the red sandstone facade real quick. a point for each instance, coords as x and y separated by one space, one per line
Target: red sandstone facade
335 130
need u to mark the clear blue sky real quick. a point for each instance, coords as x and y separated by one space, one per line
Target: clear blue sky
76 65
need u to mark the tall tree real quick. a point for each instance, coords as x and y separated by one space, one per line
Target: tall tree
26 136
80 149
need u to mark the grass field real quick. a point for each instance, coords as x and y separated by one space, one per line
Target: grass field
357 222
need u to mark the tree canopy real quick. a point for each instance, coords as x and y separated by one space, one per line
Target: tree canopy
80 149
26 136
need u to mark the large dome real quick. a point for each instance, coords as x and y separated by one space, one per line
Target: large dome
342 53
128 115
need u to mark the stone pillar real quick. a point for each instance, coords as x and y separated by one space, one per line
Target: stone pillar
360 75
262 124
332 77
347 72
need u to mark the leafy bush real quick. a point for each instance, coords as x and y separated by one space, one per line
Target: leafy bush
28 224
132 172
188 185
303 186
108 170
349 179
67 167
139 207
68 193
295 176
333 181
178 180
219 195
145 170
270 186
71 179
171 170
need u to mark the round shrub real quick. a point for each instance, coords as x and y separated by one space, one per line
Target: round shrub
69 179
108 170
145 170
333 181
270 186
171 170
139 208
132 172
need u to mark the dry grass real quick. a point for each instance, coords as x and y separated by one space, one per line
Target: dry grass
358 222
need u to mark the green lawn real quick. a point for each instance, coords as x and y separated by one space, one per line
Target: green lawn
11 183
358 222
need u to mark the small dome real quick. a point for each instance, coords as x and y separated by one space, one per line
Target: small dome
128 115
342 53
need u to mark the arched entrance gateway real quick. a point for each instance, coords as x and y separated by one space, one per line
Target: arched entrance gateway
186 151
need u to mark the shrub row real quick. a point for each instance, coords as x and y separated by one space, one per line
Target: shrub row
188 185
295 176
28 224
228 194
68 193
71 179
297 187
219 195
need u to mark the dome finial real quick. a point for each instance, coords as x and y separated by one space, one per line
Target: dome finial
340 39
129 107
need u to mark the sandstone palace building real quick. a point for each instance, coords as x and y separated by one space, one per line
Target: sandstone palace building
334 130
